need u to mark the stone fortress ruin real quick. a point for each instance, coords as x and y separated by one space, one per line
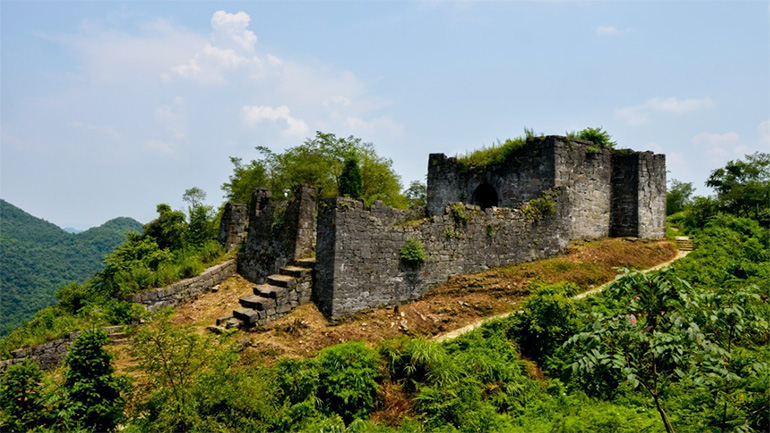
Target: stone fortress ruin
347 257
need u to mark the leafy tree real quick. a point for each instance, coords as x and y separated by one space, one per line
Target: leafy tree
20 397
649 342
743 187
350 180
168 230
195 196
201 227
244 180
678 196
92 390
417 194
318 162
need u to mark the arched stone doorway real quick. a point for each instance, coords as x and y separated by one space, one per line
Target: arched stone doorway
485 196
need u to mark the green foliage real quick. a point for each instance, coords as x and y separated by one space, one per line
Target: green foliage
548 319
351 184
544 205
678 196
93 392
459 213
168 230
743 187
496 154
244 180
347 380
413 253
599 137
319 162
21 401
38 257
417 194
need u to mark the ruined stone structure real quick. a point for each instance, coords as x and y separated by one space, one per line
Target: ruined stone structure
529 207
232 228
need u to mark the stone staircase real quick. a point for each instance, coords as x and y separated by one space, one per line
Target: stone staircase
684 243
279 294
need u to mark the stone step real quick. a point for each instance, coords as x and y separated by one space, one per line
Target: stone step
281 280
246 314
256 302
221 321
234 323
269 291
294 271
308 263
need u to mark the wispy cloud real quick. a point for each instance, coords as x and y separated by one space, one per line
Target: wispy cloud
611 31
640 114
718 148
257 113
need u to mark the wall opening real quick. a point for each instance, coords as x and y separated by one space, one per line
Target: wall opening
485 196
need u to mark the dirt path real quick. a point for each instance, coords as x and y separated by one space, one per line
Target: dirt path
465 329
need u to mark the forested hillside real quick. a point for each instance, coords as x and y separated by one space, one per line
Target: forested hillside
38 257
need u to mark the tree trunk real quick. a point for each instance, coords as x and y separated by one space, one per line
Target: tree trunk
663 415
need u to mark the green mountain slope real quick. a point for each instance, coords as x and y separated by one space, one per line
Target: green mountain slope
37 257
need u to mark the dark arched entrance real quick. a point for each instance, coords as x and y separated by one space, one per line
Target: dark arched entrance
485 196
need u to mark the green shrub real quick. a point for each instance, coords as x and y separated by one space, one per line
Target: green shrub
21 400
542 206
347 376
413 253
93 392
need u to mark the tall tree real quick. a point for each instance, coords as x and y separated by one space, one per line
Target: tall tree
743 187
678 196
92 389
351 184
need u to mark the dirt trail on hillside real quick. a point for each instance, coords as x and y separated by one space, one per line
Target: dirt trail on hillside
465 329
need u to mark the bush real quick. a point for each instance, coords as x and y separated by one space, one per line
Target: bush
20 397
347 380
413 253
92 390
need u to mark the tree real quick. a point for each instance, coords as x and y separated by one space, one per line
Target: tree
92 389
743 187
244 180
195 196
350 181
417 194
201 228
168 229
20 397
318 162
678 196
649 343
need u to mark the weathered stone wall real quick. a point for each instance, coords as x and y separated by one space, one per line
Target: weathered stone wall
50 355
358 263
526 173
652 196
279 232
232 227
595 187
585 175
181 291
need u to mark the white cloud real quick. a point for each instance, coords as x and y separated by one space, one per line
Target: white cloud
103 131
257 113
380 126
231 46
611 31
640 114
718 148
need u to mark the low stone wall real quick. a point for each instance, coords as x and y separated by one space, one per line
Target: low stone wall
359 266
51 354
179 292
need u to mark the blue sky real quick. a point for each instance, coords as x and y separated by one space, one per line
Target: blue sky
108 108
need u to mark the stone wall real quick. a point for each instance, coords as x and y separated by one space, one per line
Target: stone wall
50 355
232 227
179 292
279 232
588 175
358 263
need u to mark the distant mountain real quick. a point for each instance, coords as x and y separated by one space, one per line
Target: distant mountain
37 257
72 230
